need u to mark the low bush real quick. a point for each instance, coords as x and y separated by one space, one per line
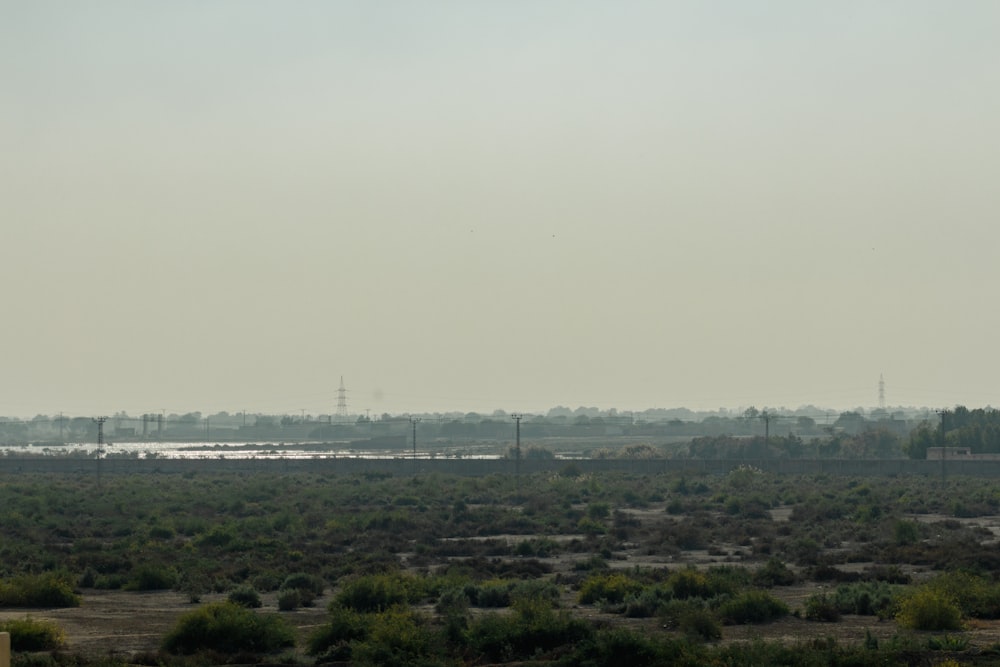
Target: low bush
533 627
228 628
29 634
38 590
608 587
866 598
304 582
288 600
947 643
753 606
612 648
493 593
332 640
699 623
151 578
929 609
647 602
379 592
245 596
822 607
398 636
719 580
977 596
774 573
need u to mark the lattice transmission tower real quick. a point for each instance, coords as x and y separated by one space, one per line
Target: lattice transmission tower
881 392
341 401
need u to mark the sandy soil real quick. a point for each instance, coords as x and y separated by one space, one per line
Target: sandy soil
122 623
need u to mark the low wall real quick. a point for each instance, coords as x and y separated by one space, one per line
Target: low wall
401 466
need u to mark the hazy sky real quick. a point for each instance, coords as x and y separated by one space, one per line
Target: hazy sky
517 204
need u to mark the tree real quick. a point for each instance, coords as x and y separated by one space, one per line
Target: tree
922 437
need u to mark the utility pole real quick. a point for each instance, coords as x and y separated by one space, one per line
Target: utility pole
414 421
517 453
766 416
100 444
62 422
944 445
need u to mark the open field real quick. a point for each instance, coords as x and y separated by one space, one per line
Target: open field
662 557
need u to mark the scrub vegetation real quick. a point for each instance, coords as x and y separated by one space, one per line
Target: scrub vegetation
559 568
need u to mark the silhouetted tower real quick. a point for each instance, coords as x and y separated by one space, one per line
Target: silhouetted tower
517 453
341 401
881 392
100 444
414 421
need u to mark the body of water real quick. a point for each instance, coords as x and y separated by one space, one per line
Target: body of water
229 450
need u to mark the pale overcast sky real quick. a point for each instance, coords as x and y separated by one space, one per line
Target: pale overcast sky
229 205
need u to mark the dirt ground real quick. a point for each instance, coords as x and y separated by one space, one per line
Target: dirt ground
117 623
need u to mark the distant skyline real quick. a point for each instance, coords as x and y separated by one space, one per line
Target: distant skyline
514 205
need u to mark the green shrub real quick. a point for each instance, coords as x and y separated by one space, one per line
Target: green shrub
29 634
38 590
228 628
598 511
591 526
865 598
534 626
332 640
493 593
288 600
929 609
719 580
304 582
699 624
608 587
397 636
947 643
774 573
977 596
161 532
613 648
151 578
822 607
245 596
379 592
689 583
906 532
594 562
753 606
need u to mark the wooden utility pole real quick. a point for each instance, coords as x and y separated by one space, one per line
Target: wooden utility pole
100 444
517 453
414 421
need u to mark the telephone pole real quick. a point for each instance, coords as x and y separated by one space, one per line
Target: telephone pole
517 453
414 421
766 416
100 444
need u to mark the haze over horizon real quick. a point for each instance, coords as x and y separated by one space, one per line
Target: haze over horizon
478 206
